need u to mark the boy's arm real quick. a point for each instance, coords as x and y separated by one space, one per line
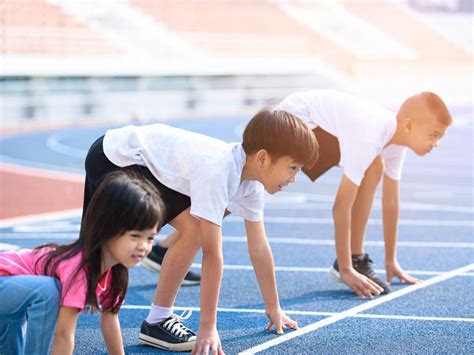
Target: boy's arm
110 325
262 261
64 334
342 211
212 266
391 213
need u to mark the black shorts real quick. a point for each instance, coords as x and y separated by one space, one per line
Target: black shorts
97 165
329 154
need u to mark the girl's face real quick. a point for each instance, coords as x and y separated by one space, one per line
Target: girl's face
129 248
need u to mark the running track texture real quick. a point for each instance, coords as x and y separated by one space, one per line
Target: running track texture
42 176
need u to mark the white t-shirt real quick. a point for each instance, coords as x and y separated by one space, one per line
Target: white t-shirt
362 129
206 169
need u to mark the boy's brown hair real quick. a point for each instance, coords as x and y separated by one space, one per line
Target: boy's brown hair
280 133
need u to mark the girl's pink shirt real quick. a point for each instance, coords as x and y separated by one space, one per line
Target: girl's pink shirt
29 262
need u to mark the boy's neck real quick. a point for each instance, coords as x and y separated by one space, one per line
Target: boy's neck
249 170
398 137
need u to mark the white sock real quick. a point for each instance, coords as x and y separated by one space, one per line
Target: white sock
158 313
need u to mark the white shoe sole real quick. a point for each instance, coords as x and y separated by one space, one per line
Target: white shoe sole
189 283
148 340
334 274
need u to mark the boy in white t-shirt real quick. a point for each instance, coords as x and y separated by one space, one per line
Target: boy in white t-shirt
367 141
199 179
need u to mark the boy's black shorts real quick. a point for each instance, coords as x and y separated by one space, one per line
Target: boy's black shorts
97 165
329 154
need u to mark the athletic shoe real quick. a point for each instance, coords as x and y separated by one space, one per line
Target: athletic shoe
363 265
154 260
169 334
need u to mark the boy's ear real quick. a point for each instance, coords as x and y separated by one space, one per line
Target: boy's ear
408 123
262 157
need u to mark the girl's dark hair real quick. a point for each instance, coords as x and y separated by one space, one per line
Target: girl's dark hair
123 201
280 133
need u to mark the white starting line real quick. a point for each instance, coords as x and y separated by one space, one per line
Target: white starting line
314 313
356 310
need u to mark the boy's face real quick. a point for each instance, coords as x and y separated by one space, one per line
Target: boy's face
278 173
425 135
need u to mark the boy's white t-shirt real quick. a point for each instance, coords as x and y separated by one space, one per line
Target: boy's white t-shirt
206 169
362 128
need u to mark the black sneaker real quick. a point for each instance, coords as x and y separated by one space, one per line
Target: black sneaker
154 260
191 278
169 334
363 265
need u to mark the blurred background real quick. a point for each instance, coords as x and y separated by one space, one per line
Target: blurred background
83 61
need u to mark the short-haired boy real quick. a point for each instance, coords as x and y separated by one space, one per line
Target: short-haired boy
367 141
199 178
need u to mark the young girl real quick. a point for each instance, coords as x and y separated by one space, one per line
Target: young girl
117 232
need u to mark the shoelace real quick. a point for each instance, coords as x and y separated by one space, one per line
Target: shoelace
365 265
175 326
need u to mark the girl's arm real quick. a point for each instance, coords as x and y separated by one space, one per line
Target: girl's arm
110 325
64 335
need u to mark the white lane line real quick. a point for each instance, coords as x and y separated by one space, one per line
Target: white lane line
67 230
40 235
8 247
383 316
41 217
355 310
309 201
52 227
323 269
378 221
450 190
54 143
315 313
327 206
42 173
42 166
375 243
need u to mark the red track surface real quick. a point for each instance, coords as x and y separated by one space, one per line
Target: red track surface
26 191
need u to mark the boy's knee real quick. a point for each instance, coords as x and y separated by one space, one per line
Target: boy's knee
192 234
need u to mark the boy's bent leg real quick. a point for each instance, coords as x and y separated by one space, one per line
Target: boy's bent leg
363 205
154 260
34 299
360 218
178 259
170 333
